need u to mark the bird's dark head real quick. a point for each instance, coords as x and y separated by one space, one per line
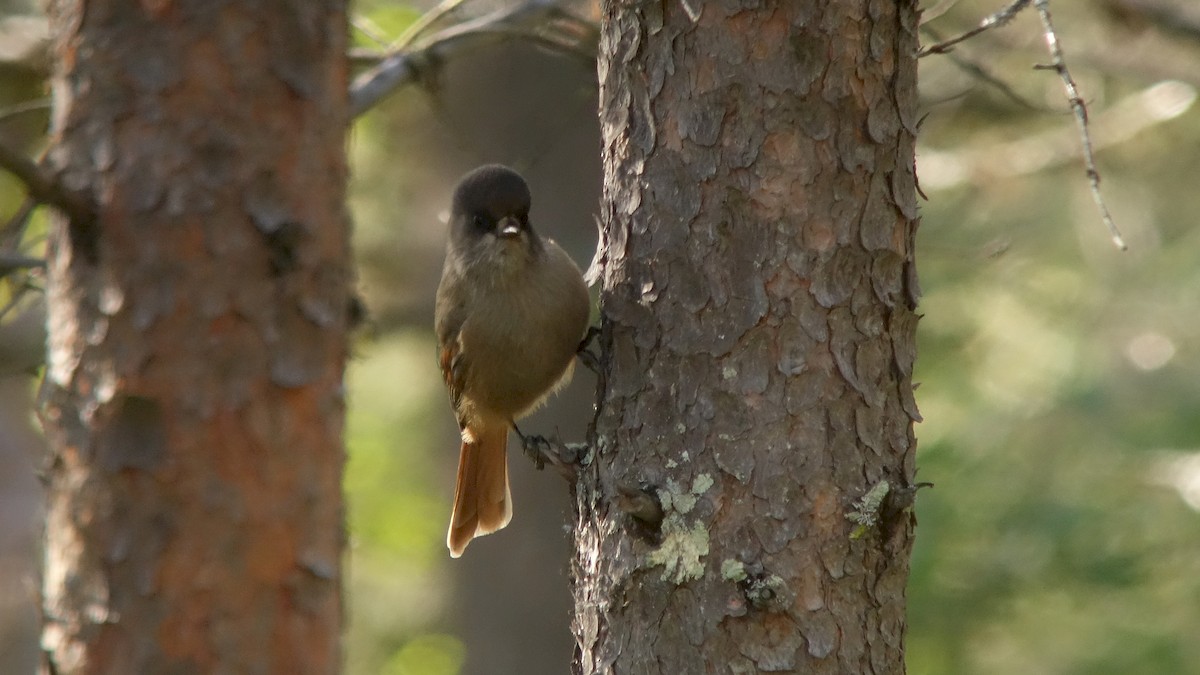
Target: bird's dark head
491 205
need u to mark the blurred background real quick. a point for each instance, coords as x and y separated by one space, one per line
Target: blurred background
1060 377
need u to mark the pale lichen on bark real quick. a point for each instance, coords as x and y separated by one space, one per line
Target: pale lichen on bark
684 544
758 300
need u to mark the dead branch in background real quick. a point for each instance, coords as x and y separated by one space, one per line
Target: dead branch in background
994 20
542 22
982 73
19 271
43 186
1059 65
1031 153
419 48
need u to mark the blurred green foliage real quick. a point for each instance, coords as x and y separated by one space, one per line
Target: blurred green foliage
396 584
1060 381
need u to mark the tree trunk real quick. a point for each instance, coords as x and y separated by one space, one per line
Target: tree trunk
758 341
197 337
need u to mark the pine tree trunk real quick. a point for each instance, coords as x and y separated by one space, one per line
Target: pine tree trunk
758 341
193 392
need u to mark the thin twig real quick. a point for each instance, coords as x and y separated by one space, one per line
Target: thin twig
550 41
19 287
424 21
13 302
994 20
16 261
976 70
1059 65
368 28
23 107
1055 146
14 229
43 187
981 73
402 67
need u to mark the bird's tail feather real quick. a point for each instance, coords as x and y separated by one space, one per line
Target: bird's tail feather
482 501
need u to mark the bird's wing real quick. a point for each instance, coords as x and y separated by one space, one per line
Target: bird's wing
448 323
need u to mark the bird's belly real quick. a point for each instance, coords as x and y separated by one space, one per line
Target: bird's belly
526 361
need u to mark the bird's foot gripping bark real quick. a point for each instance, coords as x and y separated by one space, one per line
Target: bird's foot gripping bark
586 356
564 457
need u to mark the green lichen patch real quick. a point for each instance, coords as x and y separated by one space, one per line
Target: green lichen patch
733 570
684 544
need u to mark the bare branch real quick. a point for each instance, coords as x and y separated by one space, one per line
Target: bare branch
984 75
14 301
372 86
403 67
44 187
1059 65
368 28
14 229
994 20
37 105
422 24
21 281
983 162
16 261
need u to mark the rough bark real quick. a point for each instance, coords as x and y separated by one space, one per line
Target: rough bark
197 336
758 295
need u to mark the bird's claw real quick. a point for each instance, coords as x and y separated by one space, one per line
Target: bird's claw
587 357
536 448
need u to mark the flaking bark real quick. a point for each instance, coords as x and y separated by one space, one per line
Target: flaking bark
197 338
758 294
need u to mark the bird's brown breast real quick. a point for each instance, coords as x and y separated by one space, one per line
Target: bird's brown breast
520 337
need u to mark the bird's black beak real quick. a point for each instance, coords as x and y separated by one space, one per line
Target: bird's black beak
509 227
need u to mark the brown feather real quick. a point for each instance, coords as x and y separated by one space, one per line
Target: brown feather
482 501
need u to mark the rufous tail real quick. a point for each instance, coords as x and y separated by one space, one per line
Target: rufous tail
482 501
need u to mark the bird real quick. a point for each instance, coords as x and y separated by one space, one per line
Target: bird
510 312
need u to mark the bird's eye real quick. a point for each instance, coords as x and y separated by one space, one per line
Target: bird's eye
478 221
